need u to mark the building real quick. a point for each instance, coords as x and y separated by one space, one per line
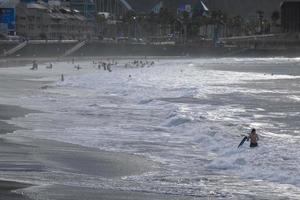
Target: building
116 8
7 21
173 6
8 17
40 21
290 16
86 7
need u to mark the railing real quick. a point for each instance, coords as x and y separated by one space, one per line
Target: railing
51 41
15 49
75 48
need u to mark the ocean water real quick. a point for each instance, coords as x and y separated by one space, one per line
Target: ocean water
188 115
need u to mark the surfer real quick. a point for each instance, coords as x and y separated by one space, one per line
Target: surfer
49 66
34 65
253 138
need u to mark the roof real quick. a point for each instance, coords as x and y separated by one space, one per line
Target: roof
65 10
56 16
80 17
36 6
173 5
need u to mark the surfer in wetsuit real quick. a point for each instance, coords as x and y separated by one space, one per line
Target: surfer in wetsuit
253 138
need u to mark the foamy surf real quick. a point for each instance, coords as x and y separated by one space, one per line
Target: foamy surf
185 115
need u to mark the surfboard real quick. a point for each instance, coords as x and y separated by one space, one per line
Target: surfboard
243 141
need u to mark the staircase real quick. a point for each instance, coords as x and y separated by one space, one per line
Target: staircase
15 49
75 48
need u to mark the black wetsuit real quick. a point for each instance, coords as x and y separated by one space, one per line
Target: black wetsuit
253 144
253 139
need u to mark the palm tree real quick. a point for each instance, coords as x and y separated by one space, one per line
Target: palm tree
260 20
165 19
237 24
151 22
275 17
129 23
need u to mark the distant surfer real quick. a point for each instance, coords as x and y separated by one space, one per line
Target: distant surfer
49 66
77 67
34 65
253 138
104 65
109 67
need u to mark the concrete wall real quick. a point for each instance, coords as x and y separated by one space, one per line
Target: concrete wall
104 49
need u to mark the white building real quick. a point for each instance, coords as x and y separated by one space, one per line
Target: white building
41 21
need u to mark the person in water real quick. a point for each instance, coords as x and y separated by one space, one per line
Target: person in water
34 65
253 138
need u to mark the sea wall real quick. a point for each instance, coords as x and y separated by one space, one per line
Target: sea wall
98 48
51 50
106 49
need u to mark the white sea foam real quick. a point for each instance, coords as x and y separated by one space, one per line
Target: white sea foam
187 117
295 97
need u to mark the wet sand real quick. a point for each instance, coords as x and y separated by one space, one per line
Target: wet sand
7 152
59 192
19 155
8 112
35 155
6 188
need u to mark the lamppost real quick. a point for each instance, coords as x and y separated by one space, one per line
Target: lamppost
134 20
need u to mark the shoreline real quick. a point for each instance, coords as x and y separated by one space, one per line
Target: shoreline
8 188
21 62
19 154
23 155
